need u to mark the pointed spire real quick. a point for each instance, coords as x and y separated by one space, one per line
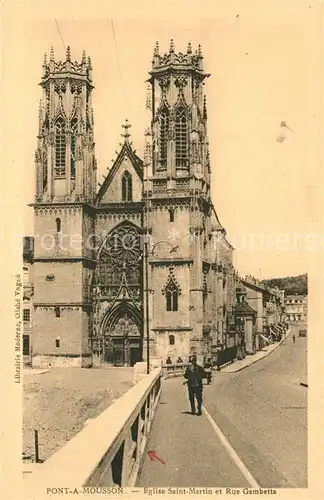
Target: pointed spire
156 49
89 63
52 54
199 51
45 65
171 46
40 116
68 53
148 104
84 57
189 48
126 135
205 108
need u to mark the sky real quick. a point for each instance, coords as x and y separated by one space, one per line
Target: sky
265 65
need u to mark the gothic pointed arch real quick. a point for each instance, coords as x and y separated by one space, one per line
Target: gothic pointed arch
60 146
171 291
127 186
60 112
181 102
73 150
164 123
181 128
123 319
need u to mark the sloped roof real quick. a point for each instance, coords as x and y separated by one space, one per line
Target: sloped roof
220 227
255 286
137 163
298 297
244 309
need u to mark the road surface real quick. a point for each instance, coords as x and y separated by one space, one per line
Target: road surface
253 431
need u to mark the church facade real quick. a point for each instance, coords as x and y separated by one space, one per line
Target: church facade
97 298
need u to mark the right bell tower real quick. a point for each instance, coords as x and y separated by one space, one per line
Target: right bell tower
179 115
179 207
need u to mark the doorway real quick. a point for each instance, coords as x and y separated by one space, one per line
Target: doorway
135 355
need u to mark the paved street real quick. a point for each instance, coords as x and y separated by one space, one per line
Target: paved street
261 413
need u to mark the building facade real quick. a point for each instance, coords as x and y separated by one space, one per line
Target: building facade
89 299
28 298
296 308
269 307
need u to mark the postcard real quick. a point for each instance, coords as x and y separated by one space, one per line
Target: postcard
163 268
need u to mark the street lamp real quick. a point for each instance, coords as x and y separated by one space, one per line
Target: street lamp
146 254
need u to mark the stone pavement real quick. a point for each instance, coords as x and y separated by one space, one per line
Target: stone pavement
250 359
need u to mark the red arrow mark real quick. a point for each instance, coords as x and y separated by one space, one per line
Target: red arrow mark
153 456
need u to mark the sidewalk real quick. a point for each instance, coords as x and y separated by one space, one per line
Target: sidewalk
191 451
250 359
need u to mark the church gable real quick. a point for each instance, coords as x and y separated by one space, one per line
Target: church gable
123 183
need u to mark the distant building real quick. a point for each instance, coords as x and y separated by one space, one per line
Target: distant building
296 308
268 303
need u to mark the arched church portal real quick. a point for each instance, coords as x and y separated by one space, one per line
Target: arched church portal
121 330
119 310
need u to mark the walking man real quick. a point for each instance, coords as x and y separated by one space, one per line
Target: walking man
195 374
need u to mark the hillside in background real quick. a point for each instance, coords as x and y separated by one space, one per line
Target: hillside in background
292 284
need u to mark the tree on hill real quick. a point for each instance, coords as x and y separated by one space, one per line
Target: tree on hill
292 285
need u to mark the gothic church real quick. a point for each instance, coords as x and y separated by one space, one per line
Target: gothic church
92 295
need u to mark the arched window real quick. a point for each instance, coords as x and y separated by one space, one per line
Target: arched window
44 176
60 148
171 296
73 146
181 138
171 215
121 254
127 191
164 128
58 225
171 339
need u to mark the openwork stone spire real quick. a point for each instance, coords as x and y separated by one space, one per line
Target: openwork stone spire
126 127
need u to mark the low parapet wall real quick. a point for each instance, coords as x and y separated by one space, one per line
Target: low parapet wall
174 369
109 450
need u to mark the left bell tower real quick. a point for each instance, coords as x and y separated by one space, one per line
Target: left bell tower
64 214
65 155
